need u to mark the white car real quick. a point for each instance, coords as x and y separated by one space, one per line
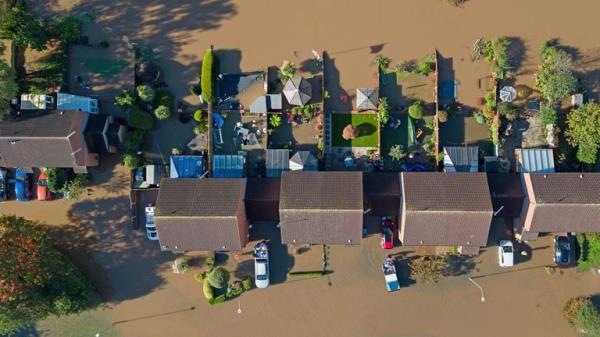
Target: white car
261 265
506 253
151 232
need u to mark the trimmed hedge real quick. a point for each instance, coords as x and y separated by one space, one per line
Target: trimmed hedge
305 274
206 77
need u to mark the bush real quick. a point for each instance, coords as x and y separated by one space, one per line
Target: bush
104 44
507 111
207 76
416 110
584 131
305 274
589 250
217 300
426 65
442 116
165 98
275 120
427 269
124 99
397 152
198 116
582 315
287 71
208 290
182 264
145 93
490 99
218 277
210 261
133 140
383 115
382 62
67 28
555 77
57 178
139 119
200 276
73 189
131 160
162 112
247 283
548 115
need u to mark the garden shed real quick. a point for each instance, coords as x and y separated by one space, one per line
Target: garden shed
186 166
534 160
367 99
66 101
304 161
228 166
461 159
277 162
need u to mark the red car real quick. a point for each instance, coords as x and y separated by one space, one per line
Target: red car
42 188
387 234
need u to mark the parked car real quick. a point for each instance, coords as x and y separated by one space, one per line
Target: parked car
506 253
564 250
3 185
387 234
151 232
261 265
22 190
389 274
43 194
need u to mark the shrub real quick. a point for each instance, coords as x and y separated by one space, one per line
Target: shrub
507 111
495 52
287 71
305 274
104 44
200 276
218 277
198 116
582 315
383 115
397 152
427 269
195 89
382 62
162 112
164 98
247 283
416 110
442 116
73 189
182 264
490 99
589 248
207 76
555 77
131 160
217 300
139 119
426 65
67 28
133 140
145 93
57 178
547 115
583 130
275 121
210 261
124 99
208 290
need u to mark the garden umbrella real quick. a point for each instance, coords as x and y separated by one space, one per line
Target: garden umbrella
366 98
297 91
508 94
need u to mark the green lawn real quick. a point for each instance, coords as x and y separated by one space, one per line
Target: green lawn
366 123
106 68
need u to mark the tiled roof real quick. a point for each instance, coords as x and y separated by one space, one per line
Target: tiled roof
322 190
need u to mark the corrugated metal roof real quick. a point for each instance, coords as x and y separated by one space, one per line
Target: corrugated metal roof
228 166
535 160
186 166
277 162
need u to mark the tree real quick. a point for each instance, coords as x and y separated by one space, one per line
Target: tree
495 52
397 152
218 277
124 99
426 65
8 87
73 189
383 115
582 314
57 178
139 119
67 28
162 112
555 77
133 140
131 160
145 93
287 71
583 131
428 269
382 62
207 76
416 110
275 120
350 132
26 30
36 280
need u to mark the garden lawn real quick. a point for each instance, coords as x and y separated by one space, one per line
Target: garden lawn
366 123
106 68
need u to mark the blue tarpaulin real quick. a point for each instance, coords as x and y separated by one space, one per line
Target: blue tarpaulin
218 120
187 166
448 89
228 166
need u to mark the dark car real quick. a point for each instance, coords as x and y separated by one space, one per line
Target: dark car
564 251
3 185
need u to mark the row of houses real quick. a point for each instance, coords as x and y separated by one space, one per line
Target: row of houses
431 208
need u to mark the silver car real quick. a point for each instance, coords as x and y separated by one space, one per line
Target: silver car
261 265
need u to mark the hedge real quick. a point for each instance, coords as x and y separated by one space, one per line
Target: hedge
139 119
305 274
206 77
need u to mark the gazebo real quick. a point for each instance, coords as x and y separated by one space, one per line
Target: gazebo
366 99
297 91
304 161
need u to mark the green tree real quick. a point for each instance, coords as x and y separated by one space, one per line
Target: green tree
286 71
275 120
383 115
583 316
426 65
397 152
133 140
124 99
162 112
583 131
35 279
495 52
145 93
67 28
207 76
8 87
57 178
218 277
73 189
555 78
382 62
19 25
139 119
428 269
416 110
